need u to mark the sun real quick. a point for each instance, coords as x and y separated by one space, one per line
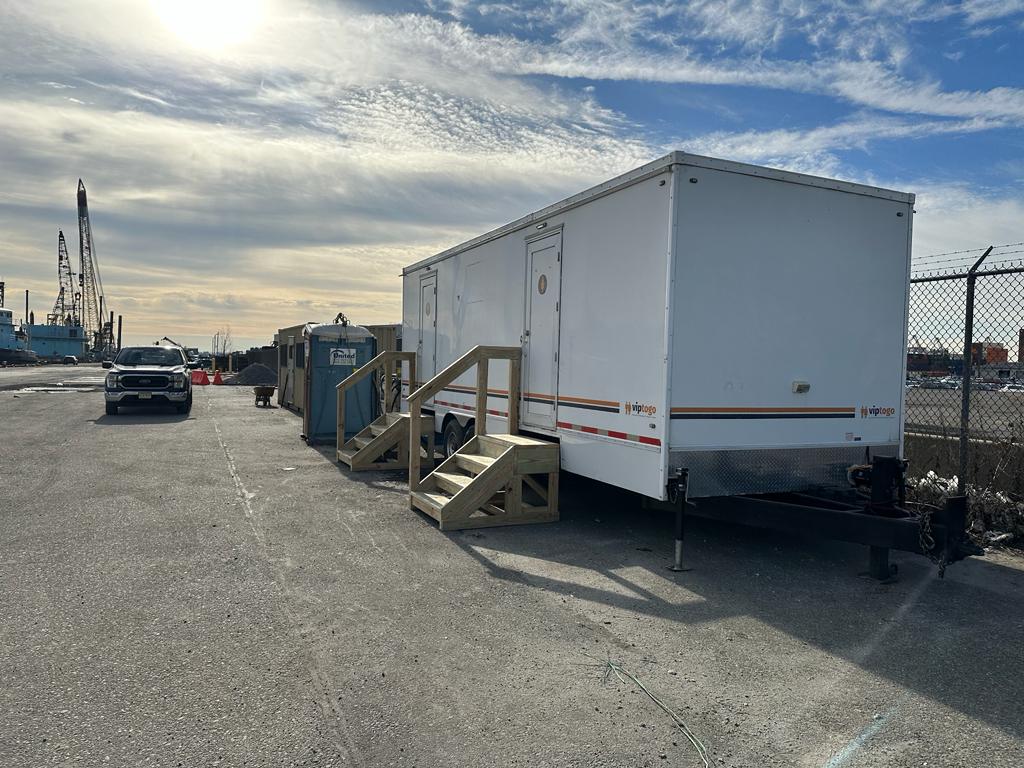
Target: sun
211 24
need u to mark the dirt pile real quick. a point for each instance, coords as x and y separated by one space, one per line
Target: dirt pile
254 375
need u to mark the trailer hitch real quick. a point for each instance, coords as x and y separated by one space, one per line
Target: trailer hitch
942 533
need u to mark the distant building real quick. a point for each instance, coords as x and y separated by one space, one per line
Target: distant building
996 353
52 342
923 360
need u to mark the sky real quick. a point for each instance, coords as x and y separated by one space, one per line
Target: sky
255 164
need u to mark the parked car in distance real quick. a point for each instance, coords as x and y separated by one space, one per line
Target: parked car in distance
70 360
940 384
1012 387
148 375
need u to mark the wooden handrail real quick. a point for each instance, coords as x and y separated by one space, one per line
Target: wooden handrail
479 356
385 361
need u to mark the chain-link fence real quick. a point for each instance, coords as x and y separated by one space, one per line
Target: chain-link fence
965 374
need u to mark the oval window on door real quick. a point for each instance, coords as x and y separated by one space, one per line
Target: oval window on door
542 285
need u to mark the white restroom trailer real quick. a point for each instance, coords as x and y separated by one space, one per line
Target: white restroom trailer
742 323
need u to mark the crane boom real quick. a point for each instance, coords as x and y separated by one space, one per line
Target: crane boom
98 330
65 309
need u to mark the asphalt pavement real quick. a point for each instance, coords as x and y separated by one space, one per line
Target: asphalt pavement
82 375
209 590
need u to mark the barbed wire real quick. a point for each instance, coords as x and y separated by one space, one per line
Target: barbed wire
968 250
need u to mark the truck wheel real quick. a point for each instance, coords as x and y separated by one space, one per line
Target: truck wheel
111 409
186 406
452 438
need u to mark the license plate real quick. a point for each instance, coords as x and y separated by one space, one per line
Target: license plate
145 395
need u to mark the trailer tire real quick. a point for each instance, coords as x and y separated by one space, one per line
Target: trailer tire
452 438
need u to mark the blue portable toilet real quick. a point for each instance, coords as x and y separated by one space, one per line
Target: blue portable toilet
333 352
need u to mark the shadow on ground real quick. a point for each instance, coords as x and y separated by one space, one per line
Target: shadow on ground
134 416
956 641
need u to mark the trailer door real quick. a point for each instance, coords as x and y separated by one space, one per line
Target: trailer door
426 366
540 340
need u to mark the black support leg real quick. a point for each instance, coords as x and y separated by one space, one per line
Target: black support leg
680 511
879 567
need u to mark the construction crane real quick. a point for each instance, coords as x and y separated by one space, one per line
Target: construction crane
98 329
65 309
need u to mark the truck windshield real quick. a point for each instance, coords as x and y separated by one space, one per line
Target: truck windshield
136 356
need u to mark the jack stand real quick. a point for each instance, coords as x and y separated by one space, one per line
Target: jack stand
878 564
680 490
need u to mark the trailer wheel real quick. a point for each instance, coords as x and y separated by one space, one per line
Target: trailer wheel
452 437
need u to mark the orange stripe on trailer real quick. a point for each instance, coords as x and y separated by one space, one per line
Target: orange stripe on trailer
588 401
780 409
469 408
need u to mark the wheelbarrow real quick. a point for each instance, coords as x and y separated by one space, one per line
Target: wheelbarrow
263 394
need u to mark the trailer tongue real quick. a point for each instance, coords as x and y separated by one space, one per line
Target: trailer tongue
875 514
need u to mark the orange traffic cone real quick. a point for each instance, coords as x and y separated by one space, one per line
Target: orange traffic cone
217 379
200 378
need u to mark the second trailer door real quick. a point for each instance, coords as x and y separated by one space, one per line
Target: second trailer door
540 341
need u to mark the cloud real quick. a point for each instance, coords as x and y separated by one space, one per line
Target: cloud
979 11
952 217
818 150
292 174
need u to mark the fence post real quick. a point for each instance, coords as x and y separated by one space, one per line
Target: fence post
968 369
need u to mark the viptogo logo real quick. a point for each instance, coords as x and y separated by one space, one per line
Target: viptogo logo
877 412
640 409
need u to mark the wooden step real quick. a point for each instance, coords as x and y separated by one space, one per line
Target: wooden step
346 456
532 456
519 440
429 502
361 442
379 429
485 445
473 462
451 481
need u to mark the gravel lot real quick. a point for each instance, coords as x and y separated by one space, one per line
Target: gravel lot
208 590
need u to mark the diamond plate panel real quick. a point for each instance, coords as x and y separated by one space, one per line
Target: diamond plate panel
773 470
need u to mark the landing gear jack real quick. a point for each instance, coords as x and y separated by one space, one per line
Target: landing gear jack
678 497
878 564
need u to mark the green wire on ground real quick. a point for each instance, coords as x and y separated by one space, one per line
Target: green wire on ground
620 672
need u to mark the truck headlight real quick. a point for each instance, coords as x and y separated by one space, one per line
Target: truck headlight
179 380
113 380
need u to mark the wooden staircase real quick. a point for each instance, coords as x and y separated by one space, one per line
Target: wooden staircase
385 443
484 484
493 478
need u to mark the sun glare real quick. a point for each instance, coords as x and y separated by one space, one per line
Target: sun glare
210 24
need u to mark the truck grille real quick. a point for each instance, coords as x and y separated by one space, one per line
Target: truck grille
144 381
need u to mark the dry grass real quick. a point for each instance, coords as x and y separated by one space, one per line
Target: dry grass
994 516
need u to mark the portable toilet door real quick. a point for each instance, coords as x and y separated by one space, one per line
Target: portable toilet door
288 372
334 352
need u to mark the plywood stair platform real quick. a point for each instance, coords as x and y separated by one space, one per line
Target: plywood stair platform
384 444
492 480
